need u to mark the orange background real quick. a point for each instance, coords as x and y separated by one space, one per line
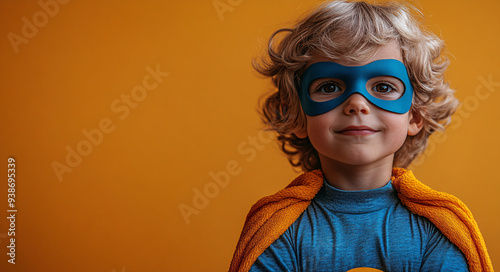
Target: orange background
118 208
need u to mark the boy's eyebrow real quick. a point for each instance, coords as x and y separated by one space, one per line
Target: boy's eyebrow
323 79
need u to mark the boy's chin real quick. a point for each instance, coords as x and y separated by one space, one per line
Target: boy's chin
356 161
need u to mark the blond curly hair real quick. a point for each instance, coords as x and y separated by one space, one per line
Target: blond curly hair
353 31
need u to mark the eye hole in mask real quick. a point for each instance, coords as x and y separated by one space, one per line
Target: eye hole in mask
382 87
385 83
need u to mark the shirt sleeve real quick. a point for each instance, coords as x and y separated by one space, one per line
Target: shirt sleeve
279 256
442 255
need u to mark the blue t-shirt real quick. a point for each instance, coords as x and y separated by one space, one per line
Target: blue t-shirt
343 230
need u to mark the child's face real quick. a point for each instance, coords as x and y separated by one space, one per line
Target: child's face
357 132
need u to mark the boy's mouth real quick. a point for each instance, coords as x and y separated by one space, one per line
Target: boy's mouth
357 130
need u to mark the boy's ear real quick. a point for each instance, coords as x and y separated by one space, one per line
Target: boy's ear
301 133
416 123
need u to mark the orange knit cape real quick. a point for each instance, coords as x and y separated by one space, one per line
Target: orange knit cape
271 216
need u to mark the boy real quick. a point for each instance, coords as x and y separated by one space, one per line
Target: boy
359 90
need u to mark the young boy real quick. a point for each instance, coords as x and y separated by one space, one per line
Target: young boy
359 90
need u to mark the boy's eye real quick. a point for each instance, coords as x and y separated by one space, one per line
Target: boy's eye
383 88
325 89
328 87
386 88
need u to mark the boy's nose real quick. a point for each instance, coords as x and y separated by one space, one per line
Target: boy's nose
356 104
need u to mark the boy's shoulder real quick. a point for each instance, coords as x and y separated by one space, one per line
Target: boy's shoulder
271 216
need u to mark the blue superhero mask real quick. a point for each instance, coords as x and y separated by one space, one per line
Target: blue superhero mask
385 83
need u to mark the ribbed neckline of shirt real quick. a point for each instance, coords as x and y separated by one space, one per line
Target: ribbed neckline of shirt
357 202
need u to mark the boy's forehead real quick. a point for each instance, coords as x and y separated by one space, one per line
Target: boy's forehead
391 50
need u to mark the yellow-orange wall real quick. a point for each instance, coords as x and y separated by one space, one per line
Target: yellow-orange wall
118 208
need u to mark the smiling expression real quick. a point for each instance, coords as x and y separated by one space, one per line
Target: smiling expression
357 132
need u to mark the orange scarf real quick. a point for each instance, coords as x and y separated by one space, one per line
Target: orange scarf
271 216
